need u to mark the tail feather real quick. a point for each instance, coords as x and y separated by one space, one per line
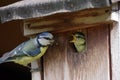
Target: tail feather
4 57
1 61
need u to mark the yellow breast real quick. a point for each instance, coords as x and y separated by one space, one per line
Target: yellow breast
28 59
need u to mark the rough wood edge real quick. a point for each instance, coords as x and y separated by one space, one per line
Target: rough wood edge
115 45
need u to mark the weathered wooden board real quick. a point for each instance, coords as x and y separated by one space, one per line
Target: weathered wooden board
115 43
115 51
68 21
24 9
62 62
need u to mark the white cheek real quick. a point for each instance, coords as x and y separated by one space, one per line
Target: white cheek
44 41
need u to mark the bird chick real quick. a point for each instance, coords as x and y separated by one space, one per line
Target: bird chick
79 41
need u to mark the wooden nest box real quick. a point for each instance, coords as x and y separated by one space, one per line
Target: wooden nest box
62 62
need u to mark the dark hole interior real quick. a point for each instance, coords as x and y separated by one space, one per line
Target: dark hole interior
12 71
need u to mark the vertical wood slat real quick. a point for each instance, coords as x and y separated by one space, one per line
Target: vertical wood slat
36 75
115 44
115 51
62 62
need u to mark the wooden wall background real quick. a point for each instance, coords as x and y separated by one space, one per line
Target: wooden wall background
62 62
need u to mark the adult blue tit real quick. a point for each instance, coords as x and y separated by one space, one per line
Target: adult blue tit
79 41
30 50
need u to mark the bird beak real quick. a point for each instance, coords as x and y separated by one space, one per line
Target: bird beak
74 38
72 41
52 41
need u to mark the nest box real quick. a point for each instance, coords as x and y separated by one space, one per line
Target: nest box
100 25
61 60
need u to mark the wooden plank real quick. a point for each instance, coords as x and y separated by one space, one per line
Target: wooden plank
98 64
115 44
115 51
36 75
68 21
62 62
54 60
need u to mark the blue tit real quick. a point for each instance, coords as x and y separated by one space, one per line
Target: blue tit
79 41
30 50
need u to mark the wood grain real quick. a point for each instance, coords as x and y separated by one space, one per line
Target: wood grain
115 51
68 21
36 75
115 43
54 60
62 62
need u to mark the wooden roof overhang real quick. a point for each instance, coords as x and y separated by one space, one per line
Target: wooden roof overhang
57 15
26 9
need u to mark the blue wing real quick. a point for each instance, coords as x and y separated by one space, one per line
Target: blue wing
27 48
30 48
12 53
34 52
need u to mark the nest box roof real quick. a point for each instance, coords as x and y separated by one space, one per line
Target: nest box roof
38 8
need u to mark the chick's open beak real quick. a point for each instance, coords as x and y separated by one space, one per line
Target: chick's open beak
72 41
74 38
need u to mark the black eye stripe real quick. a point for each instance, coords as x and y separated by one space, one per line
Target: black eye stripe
78 36
44 38
47 38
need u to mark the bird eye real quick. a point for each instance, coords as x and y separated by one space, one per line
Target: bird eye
78 36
